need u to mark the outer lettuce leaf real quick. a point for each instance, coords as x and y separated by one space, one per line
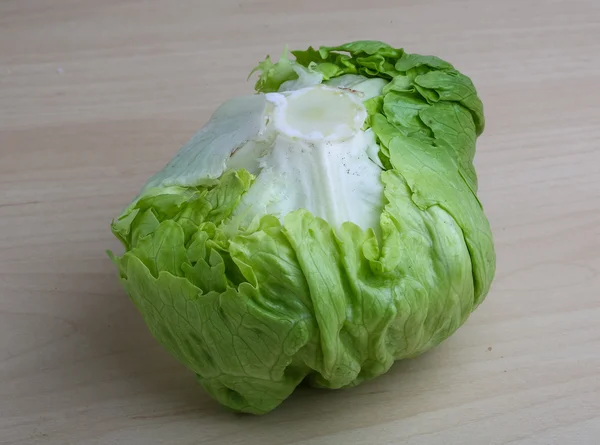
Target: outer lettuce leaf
203 159
363 47
409 61
256 309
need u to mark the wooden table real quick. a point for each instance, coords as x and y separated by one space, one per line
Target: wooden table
97 95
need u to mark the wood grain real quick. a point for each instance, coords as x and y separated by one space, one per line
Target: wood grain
97 95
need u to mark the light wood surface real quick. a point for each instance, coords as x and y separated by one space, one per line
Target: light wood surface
97 95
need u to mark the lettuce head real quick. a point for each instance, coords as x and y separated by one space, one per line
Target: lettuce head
317 230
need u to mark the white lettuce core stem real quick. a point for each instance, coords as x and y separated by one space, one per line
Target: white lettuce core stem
317 114
312 154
